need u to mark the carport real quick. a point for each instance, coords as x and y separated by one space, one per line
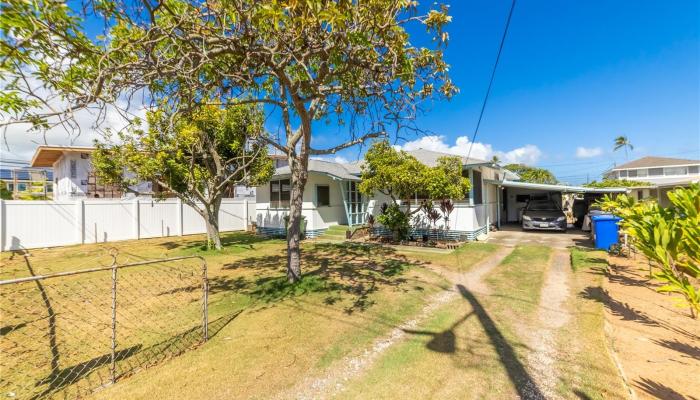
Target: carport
514 195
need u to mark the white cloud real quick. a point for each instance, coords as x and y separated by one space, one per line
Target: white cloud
336 159
19 141
528 154
586 152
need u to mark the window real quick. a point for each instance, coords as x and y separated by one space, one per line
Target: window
640 194
675 171
355 204
73 169
323 195
693 169
623 174
632 173
476 185
280 193
656 171
642 172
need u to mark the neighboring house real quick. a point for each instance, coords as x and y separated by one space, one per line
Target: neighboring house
332 197
663 173
28 183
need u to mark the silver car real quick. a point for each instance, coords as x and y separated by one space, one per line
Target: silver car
544 215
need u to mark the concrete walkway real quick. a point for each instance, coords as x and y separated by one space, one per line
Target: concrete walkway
513 235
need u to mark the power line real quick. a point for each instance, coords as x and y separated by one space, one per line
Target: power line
493 75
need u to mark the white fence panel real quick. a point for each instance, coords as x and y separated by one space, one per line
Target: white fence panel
232 215
107 220
157 218
31 224
192 222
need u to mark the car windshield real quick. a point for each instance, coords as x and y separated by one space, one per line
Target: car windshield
542 206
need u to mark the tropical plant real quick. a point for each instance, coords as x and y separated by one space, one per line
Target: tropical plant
5 193
532 174
197 157
353 63
400 176
432 214
623 142
668 237
395 220
447 206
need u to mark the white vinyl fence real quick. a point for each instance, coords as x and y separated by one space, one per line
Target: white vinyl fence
32 224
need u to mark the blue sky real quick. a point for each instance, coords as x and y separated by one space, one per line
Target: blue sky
573 74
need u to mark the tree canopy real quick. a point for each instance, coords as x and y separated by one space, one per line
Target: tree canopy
532 174
199 157
352 63
612 183
400 176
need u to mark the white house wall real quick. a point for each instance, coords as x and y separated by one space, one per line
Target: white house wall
317 218
65 187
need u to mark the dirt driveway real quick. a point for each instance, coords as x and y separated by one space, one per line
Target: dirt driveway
513 235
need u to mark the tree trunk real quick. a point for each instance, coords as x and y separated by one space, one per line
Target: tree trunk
298 182
211 219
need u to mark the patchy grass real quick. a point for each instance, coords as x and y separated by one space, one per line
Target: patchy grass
469 346
586 365
460 260
265 333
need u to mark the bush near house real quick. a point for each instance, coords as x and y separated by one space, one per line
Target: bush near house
668 236
610 183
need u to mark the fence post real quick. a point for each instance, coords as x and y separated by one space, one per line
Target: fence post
178 217
113 352
80 221
245 214
137 219
205 299
2 225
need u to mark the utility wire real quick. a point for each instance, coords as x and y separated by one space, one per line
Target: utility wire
493 75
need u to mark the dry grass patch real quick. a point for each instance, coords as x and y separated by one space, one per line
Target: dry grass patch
587 370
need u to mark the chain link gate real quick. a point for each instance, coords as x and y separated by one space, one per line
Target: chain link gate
69 333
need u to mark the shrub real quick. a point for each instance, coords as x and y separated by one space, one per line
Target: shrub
669 237
396 220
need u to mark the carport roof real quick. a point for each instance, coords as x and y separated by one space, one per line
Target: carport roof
556 188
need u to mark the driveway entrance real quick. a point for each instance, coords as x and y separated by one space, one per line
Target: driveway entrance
513 235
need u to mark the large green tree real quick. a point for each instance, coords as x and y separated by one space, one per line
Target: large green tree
399 175
532 174
198 158
348 62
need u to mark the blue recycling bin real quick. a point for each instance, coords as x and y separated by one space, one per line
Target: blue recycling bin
605 231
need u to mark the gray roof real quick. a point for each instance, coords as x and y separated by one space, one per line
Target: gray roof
430 157
351 171
331 168
650 162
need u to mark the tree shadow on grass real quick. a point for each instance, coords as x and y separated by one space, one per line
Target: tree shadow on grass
93 373
244 240
524 384
345 269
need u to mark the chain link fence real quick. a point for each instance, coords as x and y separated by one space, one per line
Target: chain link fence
66 334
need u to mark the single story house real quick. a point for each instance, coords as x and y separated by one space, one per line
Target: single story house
663 173
331 197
